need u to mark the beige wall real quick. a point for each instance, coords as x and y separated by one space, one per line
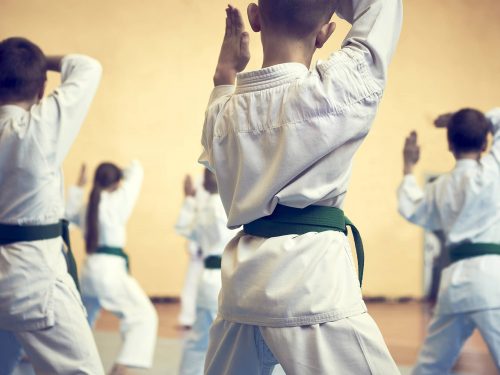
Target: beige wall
158 59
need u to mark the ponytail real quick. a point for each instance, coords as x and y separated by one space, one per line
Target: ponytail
106 175
92 220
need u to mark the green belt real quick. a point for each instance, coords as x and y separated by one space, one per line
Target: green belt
288 220
20 233
471 250
213 262
118 251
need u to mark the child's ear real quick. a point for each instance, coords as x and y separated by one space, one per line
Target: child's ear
253 12
325 33
42 91
485 145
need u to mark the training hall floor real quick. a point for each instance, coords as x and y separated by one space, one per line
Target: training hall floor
402 324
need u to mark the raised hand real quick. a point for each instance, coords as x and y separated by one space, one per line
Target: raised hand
411 152
189 190
235 51
82 177
443 120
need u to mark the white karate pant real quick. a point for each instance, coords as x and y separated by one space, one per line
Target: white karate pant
187 315
196 345
352 345
447 334
66 348
113 289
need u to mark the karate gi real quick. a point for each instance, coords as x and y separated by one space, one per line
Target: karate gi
39 303
465 205
187 314
287 135
205 223
105 281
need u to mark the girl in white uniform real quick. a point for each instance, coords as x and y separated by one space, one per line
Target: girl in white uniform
206 223
106 282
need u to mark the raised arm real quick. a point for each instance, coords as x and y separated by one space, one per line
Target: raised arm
414 204
235 52
187 217
74 199
494 155
130 188
64 110
376 26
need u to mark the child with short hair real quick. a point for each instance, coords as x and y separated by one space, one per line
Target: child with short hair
281 142
465 205
40 307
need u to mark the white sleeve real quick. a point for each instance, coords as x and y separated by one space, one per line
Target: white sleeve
130 188
62 113
376 26
217 98
493 156
74 205
186 221
416 205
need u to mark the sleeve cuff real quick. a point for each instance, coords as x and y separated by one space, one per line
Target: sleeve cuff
494 117
220 91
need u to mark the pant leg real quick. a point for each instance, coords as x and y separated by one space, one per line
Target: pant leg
138 321
348 346
10 352
237 349
196 345
187 314
445 337
488 323
67 347
93 308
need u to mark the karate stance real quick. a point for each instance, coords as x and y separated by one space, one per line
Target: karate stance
281 141
40 308
106 281
465 205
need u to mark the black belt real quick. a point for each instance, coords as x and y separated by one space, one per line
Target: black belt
26 233
213 262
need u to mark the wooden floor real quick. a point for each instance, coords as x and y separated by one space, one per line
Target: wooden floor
402 324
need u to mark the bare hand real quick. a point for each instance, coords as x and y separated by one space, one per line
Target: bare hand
411 152
82 178
443 120
235 51
189 190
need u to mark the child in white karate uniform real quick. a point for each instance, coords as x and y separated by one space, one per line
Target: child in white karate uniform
206 223
106 281
465 205
40 307
187 314
281 142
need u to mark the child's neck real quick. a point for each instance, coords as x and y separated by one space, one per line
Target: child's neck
26 104
468 155
280 51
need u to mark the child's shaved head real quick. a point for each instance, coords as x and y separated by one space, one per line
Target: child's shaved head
297 18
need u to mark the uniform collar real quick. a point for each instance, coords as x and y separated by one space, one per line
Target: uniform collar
11 110
466 163
270 77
